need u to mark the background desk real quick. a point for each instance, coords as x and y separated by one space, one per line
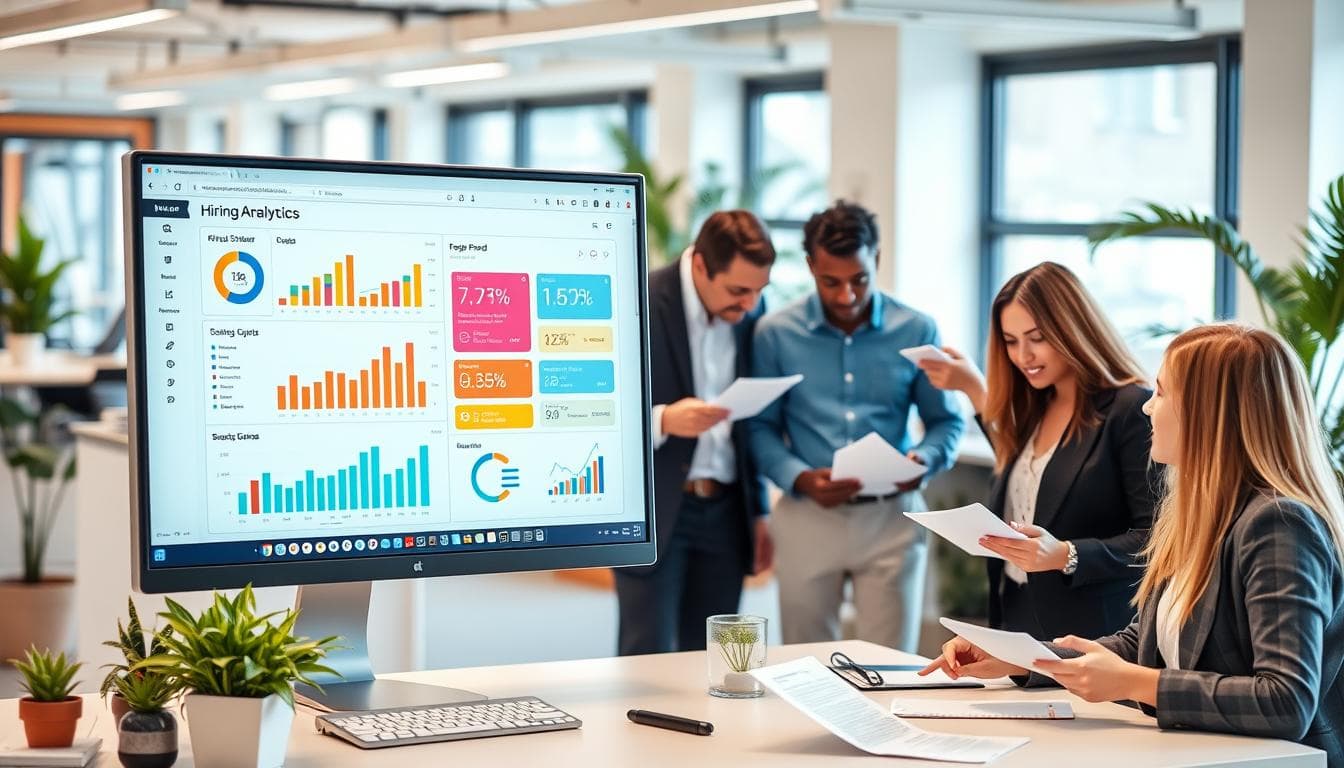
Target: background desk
764 731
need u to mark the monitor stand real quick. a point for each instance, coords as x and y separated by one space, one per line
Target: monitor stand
343 610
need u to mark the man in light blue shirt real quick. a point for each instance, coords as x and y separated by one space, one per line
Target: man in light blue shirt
846 340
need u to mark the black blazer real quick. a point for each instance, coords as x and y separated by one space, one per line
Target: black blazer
670 364
1262 650
1098 491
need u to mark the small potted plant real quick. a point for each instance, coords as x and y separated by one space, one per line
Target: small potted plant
131 641
48 712
146 734
238 671
736 646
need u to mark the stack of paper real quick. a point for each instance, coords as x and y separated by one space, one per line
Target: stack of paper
76 755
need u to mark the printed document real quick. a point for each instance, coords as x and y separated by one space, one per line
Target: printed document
982 710
925 352
964 526
822 696
875 463
745 398
1013 647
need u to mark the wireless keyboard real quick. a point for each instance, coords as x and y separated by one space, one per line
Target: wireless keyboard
379 728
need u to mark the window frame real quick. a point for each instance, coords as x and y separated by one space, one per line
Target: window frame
754 91
635 102
1223 51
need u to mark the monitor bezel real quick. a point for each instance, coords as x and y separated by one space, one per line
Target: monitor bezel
401 566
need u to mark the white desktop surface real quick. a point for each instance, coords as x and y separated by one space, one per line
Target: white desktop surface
57 368
764 731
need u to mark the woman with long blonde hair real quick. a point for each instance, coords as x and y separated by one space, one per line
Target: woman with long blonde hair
1241 607
1062 406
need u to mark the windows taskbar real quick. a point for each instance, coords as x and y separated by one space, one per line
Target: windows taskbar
281 548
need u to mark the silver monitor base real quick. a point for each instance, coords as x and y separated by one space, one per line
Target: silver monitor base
343 610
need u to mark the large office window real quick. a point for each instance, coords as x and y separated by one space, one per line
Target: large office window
788 158
1074 138
338 133
561 134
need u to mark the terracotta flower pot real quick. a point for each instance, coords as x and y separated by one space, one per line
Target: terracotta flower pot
40 614
119 707
50 723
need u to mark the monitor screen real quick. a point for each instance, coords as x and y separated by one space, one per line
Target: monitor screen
354 371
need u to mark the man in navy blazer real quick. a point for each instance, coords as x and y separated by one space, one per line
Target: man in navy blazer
708 497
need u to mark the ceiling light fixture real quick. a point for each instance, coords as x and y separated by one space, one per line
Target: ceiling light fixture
458 73
310 89
80 18
1177 21
488 32
150 100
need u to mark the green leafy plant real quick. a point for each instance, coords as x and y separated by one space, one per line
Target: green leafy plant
1304 303
30 304
41 469
46 677
736 643
963 586
135 645
228 650
666 240
146 692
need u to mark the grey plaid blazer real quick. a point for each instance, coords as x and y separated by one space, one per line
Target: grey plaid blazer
1261 652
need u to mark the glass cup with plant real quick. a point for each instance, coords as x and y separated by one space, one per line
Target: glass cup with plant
736 646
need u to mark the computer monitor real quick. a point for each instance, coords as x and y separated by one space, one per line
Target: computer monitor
349 371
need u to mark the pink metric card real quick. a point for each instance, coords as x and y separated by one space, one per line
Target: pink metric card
492 312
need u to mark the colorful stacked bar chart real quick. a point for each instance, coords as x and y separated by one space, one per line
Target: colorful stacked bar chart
382 384
338 288
360 486
589 481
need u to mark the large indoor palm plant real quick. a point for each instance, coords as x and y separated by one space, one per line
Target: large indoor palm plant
1304 302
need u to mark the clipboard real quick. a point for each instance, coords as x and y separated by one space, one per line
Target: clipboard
898 677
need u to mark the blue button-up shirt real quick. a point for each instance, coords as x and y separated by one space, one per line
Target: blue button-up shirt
852 385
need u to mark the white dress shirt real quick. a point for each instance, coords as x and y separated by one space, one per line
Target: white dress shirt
1024 484
713 366
1168 629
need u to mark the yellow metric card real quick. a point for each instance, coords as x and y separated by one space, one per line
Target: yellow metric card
574 338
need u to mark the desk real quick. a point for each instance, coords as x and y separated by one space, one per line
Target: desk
764 731
57 368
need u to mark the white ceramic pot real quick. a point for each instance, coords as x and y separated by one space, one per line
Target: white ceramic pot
25 349
41 614
234 732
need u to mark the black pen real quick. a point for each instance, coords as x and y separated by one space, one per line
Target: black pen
671 722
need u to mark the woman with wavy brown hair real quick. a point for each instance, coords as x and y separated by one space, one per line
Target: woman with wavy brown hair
1241 607
1062 407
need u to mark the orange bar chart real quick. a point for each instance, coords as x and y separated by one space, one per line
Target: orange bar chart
384 383
339 288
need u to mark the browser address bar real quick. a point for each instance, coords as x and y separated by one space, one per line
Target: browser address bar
368 194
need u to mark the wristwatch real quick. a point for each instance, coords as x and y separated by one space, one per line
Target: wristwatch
1071 564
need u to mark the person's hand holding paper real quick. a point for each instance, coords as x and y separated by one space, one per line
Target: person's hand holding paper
880 468
965 526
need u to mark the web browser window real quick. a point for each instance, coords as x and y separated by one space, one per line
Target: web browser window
358 364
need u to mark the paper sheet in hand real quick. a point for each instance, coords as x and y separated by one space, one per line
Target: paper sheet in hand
745 398
964 526
875 463
820 695
1013 647
925 352
982 710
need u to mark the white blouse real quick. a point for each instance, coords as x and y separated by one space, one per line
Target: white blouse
1024 483
1168 629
